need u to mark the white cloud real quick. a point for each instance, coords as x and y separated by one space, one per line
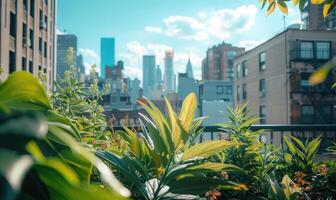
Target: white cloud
153 29
219 24
135 51
90 58
250 44
59 32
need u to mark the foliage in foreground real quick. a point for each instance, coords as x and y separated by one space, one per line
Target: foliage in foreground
42 149
165 161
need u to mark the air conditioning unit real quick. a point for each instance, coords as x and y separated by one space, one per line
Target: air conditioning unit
43 25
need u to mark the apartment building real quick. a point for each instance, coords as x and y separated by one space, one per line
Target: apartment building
28 37
274 78
218 64
313 19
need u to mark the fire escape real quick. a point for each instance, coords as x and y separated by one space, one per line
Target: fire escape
303 63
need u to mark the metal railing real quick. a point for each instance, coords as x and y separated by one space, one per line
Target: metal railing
274 133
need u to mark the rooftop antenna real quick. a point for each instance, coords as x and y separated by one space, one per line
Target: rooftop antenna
284 22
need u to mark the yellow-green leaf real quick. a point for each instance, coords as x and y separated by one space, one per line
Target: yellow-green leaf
320 75
176 131
271 8
188 110
283 7
295 2
317 1
207 149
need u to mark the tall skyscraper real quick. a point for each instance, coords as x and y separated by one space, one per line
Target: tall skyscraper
80 68
158 76
149 70
27 38
169 71
64 42
218 64
107 55
189 70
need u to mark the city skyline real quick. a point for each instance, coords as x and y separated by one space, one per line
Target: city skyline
189 30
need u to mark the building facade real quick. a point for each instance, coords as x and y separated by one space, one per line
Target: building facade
218 64
27 37
273 78
64 43
313 19
169 83
107 55
149 74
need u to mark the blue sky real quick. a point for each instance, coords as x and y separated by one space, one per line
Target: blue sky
189 27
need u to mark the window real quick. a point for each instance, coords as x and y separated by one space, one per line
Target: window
25 5
24 64
46 22
24 34
32 8
262 87
13 24
238 96
238 71
324 114
228 90
306 50
245 70
31 38
244 94
262 61
45 49
307 114
31 69
41 16
323 50
12 62
219 89
305 84
40 45
45 70
262 114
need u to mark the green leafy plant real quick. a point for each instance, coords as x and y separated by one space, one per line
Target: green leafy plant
286 190
300 156
164 161
257 159
40 151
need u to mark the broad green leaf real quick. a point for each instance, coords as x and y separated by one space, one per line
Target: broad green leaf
195 185
14 168
188 111
207 149
22 91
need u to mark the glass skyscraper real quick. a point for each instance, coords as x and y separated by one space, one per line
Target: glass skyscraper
107 54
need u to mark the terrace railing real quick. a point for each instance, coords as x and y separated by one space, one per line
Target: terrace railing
274 133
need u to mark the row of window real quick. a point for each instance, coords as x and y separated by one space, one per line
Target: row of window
309 114
318 50
220 89
262 90
12 64
242 69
